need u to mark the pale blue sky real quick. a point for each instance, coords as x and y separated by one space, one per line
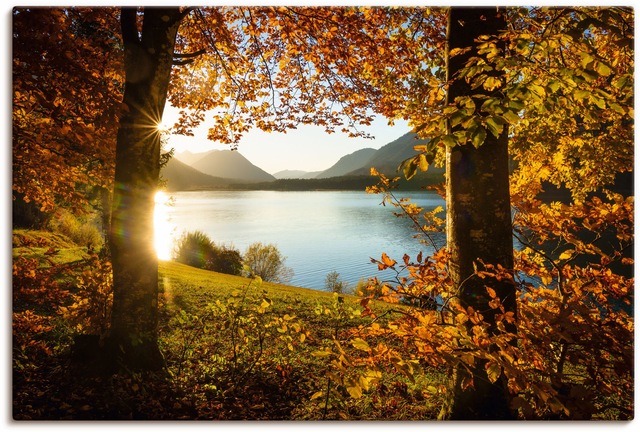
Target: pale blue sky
308 148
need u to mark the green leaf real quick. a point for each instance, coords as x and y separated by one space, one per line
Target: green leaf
516 105
322 354
602 69
478 137
537 90
598 101
495 125
410 169
491 105
511 117
617 108
449 140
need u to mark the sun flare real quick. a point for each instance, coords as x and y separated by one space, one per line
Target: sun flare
163 228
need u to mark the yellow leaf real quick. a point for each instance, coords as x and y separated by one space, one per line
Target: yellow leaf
493 371
360 344
388 261
491 83
316 395
354 389
566 254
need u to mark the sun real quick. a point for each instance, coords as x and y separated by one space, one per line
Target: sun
163 127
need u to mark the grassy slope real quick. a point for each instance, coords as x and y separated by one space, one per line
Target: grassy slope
227 357
189 289
48 247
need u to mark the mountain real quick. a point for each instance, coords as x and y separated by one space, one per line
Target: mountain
387 159
230 164
295 174
180 176
190 158
349 163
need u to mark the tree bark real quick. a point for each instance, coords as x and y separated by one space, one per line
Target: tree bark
478 221
148 61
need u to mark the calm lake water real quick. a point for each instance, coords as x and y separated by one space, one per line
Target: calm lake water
318 232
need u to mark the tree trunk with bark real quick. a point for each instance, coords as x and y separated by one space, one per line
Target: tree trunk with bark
148 62
479 225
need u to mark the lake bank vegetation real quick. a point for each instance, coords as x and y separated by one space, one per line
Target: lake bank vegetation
236 348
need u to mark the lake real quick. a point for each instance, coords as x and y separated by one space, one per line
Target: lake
318 231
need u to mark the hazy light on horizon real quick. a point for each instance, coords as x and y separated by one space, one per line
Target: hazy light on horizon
307 148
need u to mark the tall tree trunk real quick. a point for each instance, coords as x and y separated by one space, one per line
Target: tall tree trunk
478 221
148 61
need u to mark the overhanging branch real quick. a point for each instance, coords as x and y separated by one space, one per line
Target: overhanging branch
186 58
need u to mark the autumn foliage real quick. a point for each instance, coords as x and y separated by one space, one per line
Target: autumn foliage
568 353
66 100
557 81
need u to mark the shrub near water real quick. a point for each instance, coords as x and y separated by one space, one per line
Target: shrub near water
267 262
196 249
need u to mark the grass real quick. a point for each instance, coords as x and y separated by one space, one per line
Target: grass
48 247
235 348
274 367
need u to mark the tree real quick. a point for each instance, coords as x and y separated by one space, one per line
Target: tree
334 283
478 212
148 59
194 248
66 100
267 262
553 80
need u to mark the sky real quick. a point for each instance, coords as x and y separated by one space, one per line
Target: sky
308 148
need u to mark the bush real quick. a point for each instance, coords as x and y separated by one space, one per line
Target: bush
266 261
82 231
333 283
225 259
194 248
197 250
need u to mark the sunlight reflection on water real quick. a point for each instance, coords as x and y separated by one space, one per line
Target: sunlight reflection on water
163 228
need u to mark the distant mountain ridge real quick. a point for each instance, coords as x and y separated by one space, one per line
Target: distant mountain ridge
190 158
232 165
348 163
386 159
229 169
180 176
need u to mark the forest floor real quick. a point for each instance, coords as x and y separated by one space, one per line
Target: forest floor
235 349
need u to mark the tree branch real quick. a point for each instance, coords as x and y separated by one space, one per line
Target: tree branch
181 59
